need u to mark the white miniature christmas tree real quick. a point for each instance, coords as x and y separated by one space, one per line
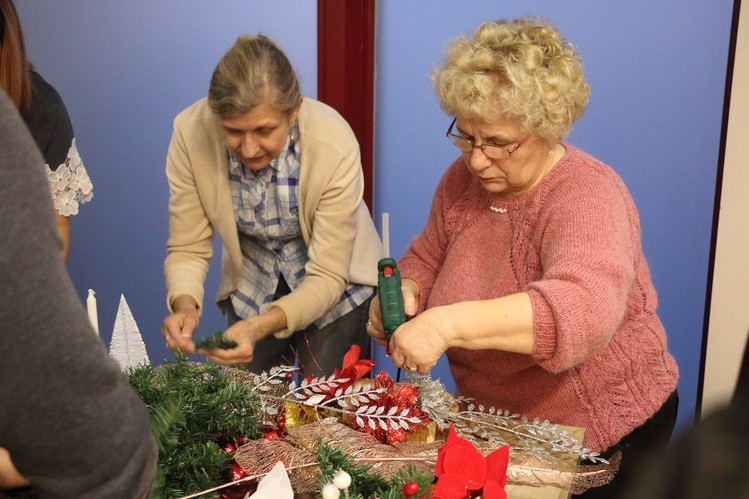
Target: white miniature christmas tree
127 346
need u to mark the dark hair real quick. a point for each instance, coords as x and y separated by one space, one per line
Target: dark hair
14 66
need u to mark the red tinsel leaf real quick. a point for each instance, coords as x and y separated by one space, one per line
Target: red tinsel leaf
389 414
405 396
395 436
383 380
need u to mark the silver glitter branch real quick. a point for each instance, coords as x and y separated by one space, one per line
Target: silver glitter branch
481 424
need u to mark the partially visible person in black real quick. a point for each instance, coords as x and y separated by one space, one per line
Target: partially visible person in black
47 117
70 424
710 460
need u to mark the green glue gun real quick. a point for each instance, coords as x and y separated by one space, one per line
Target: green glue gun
391 296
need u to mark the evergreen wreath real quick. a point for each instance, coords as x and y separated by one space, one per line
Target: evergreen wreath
197 414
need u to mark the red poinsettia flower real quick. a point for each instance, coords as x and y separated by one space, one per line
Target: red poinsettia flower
496 469
461 469
450 486
460 457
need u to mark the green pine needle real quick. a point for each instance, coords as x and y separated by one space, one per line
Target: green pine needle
218 340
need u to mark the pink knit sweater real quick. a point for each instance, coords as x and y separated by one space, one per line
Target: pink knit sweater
600 359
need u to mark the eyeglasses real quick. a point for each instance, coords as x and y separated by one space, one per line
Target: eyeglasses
492 151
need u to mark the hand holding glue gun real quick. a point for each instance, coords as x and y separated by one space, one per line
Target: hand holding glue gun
388 309
390 295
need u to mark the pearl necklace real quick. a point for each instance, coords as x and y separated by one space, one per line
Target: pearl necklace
551 154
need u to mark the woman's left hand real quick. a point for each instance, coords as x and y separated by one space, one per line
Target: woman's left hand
418 344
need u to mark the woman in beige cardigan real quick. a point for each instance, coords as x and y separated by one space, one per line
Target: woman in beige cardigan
278 176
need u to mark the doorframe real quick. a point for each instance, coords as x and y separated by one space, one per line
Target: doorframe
345 71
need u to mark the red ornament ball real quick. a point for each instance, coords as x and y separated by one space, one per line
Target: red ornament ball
410 489
236 472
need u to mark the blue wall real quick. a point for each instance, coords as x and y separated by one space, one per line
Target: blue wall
126 68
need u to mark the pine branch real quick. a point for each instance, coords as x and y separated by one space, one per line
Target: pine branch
216 341
364 482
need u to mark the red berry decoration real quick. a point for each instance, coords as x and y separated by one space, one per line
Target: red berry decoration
289 376
410 490
281 421
271 435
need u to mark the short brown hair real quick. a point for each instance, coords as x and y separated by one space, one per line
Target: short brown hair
254 71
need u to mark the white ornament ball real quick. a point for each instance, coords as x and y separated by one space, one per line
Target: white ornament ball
342 480
330 491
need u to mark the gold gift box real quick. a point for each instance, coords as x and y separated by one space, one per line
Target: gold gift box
297 415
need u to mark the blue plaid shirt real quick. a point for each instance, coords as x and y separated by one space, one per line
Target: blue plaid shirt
267 214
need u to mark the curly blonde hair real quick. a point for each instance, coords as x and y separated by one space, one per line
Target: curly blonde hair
521 69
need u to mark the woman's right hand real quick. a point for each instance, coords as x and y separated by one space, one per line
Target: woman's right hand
410 306
179 327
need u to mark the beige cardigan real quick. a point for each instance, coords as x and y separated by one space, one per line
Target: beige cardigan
342 243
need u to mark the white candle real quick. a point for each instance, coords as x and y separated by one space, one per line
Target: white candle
386 235
93 315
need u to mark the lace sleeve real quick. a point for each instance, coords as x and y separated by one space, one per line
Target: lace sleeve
70 184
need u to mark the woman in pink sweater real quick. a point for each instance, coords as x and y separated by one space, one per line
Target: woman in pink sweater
529 273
